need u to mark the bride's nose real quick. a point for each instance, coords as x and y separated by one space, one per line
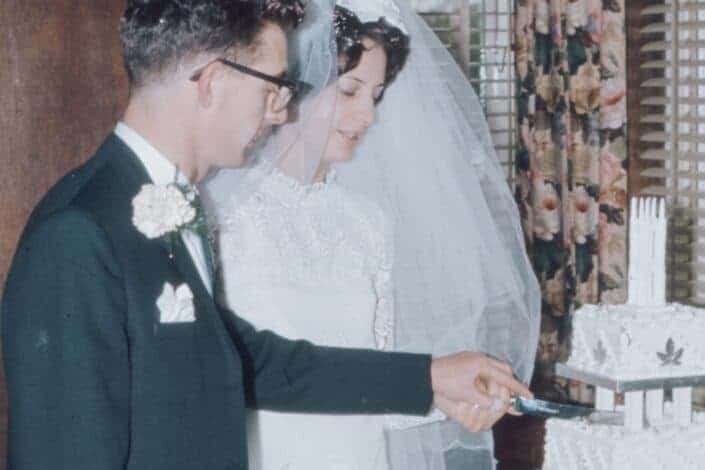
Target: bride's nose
366 112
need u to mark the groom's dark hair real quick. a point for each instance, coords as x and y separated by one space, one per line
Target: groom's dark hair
158 34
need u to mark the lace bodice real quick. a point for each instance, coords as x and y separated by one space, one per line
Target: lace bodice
315 237
310 262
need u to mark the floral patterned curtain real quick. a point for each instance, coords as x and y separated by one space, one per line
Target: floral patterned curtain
571 161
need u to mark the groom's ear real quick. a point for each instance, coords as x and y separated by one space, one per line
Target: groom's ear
206 83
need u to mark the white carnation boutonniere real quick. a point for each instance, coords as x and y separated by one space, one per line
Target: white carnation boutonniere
161 209
168 210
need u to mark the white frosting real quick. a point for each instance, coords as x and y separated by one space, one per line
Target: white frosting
631 342
627 342
575 445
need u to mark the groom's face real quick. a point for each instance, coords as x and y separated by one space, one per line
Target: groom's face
245 112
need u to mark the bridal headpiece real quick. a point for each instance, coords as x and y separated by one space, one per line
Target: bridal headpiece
373 10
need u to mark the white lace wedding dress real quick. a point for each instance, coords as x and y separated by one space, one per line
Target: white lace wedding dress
310 262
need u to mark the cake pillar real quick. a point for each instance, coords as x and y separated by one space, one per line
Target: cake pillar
647 256
634 410
660 254
654 406
682 405
604 399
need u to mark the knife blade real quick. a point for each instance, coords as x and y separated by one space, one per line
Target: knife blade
548 409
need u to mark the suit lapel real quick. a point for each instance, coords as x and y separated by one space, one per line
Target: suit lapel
132 172
209 309
135 175
181 258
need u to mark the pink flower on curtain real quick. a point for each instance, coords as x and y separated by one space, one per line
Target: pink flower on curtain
586 215
543 146
550 88
553 292
524 16
613 100
613 179
556 16
546 204
522 40
576 16
594 13
585 88
543 17
612 50
522 56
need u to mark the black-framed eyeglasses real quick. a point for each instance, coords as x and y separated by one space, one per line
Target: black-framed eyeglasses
289 89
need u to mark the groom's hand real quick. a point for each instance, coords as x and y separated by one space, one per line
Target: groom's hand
474 389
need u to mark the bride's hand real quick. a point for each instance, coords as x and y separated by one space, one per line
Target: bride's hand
474 389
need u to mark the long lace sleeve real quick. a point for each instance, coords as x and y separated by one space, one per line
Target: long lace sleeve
384 322
384 289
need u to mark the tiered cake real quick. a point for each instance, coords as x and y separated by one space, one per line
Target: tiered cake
575 445
638 349
627 342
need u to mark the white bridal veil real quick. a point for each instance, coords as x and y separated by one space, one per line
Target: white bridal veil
462 278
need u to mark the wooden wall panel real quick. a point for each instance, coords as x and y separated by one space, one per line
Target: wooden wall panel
62 87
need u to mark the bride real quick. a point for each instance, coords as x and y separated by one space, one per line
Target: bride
412 245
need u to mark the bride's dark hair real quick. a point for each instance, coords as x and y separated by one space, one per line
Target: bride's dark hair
349 34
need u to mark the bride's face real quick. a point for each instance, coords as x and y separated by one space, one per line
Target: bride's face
355 109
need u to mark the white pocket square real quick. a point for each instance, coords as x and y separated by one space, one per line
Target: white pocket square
176 305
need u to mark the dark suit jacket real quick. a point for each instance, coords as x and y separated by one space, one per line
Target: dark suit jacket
96 382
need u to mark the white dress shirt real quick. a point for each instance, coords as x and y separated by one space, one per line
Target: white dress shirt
162 172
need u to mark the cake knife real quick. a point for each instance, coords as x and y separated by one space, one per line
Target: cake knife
548 409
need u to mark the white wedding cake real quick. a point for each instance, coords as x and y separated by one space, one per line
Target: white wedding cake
640 348
576 445
626 342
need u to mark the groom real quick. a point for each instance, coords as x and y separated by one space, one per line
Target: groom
116 355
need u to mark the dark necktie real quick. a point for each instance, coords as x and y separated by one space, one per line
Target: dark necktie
202 229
